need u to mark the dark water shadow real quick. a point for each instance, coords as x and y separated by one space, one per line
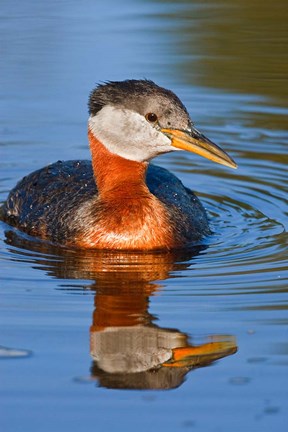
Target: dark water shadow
128 349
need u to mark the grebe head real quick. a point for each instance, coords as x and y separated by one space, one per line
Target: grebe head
138 120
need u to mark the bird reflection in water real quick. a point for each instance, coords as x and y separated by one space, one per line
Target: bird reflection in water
128 349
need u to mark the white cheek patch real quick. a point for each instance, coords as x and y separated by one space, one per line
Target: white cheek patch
128 134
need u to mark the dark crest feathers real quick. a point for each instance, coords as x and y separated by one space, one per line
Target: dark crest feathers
119 92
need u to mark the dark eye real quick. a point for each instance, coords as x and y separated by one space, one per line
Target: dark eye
151 117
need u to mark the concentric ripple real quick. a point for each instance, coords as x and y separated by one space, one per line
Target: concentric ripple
248 214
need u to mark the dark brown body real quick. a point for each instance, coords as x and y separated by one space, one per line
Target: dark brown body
135 206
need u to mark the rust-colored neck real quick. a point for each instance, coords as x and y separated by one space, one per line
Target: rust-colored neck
127 215
114 174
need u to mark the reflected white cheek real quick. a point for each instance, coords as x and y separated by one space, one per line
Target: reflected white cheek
128 134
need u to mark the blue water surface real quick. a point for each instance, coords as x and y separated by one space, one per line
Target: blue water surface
76 327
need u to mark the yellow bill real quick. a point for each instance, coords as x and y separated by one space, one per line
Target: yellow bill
193 141
195 356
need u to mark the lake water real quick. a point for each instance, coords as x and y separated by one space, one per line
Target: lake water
85 335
